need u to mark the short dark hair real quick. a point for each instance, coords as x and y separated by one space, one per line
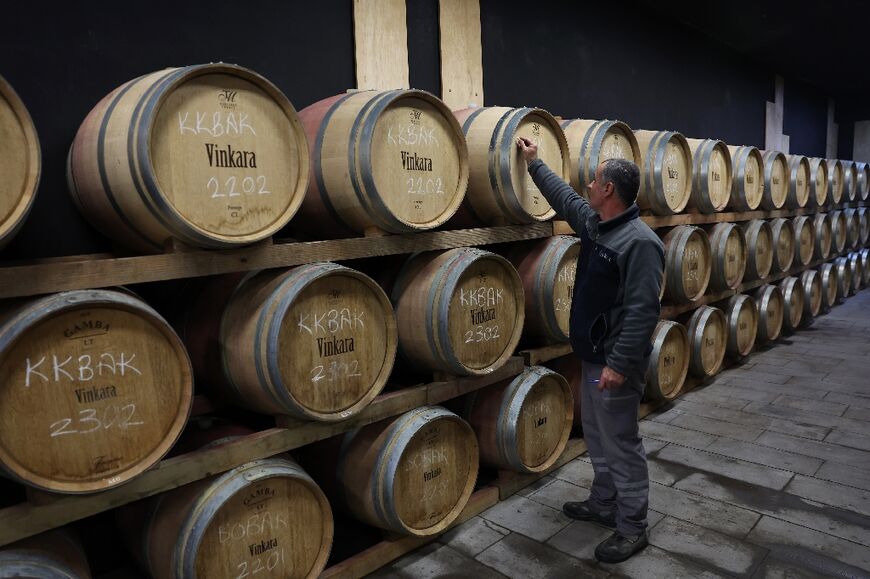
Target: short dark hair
625 177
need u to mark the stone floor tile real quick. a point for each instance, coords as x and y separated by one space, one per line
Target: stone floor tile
756 375
773 568
558 493
651 445
847 475
724 414
814 390
538 484
859 414
825 406
435 561
655 562
726 466
850 439
519 557
830 493
667 433
748 394
702 511
767 456
577 472
853 400
806 368
811 431
823 450
473 536
804 417
717 427
579 539
528 517
704 396
664 473
664 415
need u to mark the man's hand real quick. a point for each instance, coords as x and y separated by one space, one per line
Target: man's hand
610 379
528 149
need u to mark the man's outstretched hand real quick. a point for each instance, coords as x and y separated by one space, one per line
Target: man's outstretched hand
528 149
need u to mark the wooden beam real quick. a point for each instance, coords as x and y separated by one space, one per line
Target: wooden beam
380 35
545 353
461 53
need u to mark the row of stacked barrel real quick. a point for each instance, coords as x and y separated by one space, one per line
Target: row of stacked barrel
215 156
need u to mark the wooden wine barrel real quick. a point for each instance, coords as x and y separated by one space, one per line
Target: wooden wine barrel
728 250
818 182
793 297
96 389
687 263
804 239
547 269
857 272
853 228
523 424
316 342
708 337
844 278
775 180
592 142
836 181
668 362
570 368
865 265
863 180
839 231
711 175
412 474
863 225
747 186
459 311
500 189
741 314
213 155
666 172
850 180
770 304
798 181
760 248
783 242
55 554
828 275
20 162
393 161
811 281
266 514
823 236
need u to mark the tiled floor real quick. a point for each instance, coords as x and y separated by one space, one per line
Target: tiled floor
765 472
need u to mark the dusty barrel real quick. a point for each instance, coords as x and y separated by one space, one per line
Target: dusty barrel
708 337
547 269
770 304
711 175
775 167
793 297
412 474
500 189
759 247
264 516
823 238
865 265
863 180
804 239
592 142
20 162
213 155
863 225
668 362
96 389
836 178
798 181
741 314
316 342
783 243
728 252
687 263
747 186
818 182
523 424
853 228
828 275
811 281
857 272
839 231
850 180
459 311
844 278
389 160
570 368
55 554
666 172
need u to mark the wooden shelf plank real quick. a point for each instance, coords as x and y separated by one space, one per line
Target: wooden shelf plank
86 272
535 356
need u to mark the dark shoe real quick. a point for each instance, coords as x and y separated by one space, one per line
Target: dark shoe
617 548
582 512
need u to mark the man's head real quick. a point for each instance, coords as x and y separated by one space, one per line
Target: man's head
615 187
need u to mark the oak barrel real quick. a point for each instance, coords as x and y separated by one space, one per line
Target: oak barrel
818 182
668 362
741 314
798 181
863 180
687 263
393 161
316 342
523 424
857 272
828 275
865 265
213 155
804 239
570 368
839 231
771 309
666 172
836 181
500 189
547 269
591 142
863 226
54 554
96 389
708 337
20 162
728 249
775 180
747 186
811 281
760 248
783 242
793 297
711 175
853 228
823 236
850 180
412 474
844 278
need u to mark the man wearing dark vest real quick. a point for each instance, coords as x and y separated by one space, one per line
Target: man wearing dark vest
614 311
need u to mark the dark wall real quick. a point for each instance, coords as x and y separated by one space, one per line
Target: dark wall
805 119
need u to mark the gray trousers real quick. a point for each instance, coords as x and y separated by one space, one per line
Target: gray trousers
610 429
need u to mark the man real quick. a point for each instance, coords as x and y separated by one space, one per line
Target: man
614 311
